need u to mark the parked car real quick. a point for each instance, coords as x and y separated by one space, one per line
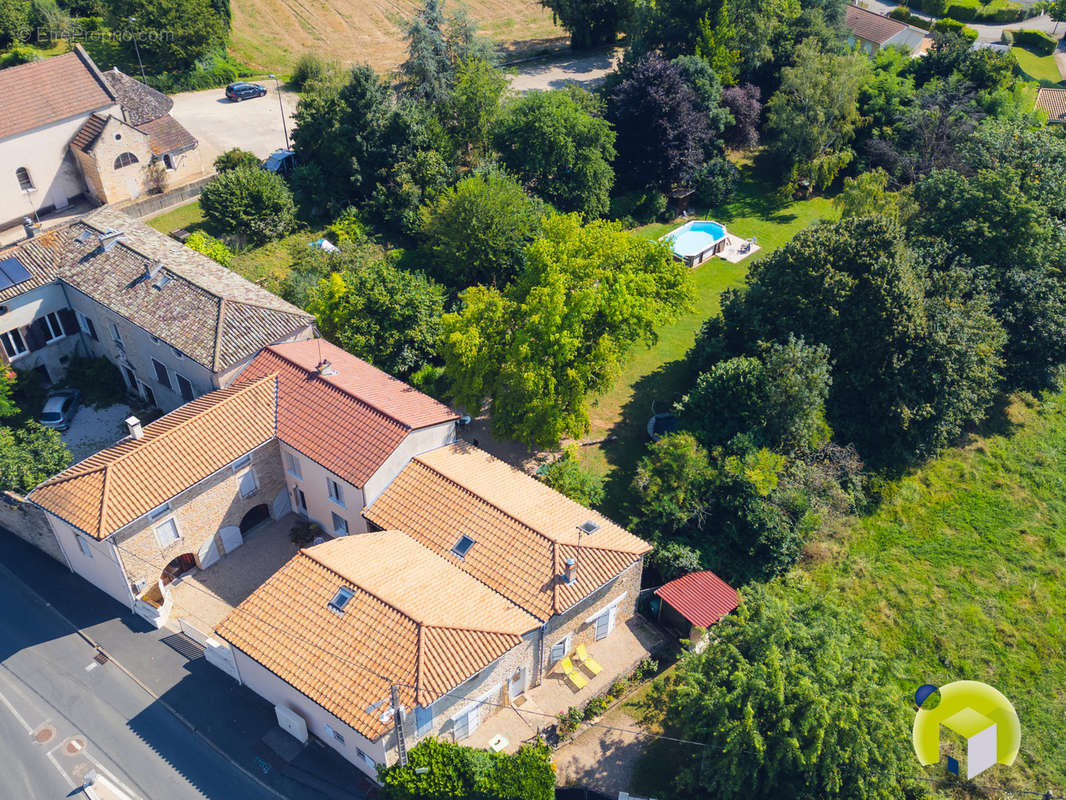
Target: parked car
236 92
280 161
60 408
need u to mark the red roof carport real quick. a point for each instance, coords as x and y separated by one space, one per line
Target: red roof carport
700 597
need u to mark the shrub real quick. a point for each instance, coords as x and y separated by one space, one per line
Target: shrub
645 668
312 70
954 26
963 10
1001 11
569 720
935 8
673 559
618 688
566 475
596 706
430 379
98 380
639 207
903 14
1039 42
348 228
234 158
211 247
251 204
18 54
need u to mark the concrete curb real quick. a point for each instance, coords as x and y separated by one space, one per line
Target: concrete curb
173 711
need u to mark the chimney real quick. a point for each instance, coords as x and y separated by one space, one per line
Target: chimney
134 425
109 237
151 269
323 367
29 227
570 573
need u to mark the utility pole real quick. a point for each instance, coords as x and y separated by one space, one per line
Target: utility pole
284 127
138 49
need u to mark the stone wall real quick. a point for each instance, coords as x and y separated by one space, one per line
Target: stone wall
199 513
29 523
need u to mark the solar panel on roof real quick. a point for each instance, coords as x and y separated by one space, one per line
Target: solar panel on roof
12 272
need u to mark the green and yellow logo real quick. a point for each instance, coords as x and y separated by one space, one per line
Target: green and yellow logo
981 715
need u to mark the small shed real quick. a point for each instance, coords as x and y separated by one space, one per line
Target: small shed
696 600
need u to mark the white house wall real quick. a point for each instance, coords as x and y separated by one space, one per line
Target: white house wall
417 442
277 692
102 569
22 310
44 152
320 507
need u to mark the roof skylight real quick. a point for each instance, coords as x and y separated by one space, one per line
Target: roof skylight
589 526
462 547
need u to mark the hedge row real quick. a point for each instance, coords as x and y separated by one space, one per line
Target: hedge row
903 14
1039 42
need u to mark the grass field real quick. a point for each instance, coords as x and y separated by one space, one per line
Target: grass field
961 573
272 34
656 374
1041 69
266 265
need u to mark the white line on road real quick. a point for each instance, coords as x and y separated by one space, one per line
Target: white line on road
91 666
62 771
16 714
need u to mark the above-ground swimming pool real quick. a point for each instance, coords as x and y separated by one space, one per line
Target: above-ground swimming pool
696 240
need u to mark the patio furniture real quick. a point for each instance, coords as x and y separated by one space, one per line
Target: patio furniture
578 680
587 661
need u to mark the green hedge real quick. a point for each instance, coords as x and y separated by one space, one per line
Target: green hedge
1041 43
1001 11
903 14
952 25
963 10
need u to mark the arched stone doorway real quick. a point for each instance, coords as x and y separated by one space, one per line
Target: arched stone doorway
255 516
178 567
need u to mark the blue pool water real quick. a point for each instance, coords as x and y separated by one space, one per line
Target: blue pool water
693 238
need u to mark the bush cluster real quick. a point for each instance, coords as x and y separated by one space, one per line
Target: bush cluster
1039 42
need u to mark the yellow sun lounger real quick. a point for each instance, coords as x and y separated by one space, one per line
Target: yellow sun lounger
587 661
576 678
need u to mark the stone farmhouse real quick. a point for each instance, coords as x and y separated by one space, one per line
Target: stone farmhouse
177 324
71 131
443 582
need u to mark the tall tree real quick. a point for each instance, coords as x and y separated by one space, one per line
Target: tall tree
662 135
557 334
474 107
558 146
427 72
30 454
192 28
590 22
791 701
813 116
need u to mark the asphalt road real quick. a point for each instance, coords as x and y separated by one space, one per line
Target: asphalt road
62 714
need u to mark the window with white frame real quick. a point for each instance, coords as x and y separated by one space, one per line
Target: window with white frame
340 525
248 485
336 492
84 546
367 759
335 735
167 533
53 330
159 511
292 465
14 344
87 326
341 598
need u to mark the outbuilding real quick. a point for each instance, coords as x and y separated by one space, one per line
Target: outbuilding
696 600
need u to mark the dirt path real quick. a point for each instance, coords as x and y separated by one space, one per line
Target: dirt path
600 759
554 73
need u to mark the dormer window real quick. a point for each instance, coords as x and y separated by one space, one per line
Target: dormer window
462 547
588 527
24 179
340 599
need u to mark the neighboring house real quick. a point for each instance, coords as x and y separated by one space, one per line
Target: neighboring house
874 31
69 130
176 323
463 580
1053 103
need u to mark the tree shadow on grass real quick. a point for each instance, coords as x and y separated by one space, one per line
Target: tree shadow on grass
628 437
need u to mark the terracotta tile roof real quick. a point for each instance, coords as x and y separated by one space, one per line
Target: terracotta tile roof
870 26
523 531
166 135
87 134
117 485
210 314
1053 101
50 90
349 422
700 597
140 103
413 619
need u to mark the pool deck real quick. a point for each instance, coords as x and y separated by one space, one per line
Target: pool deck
731 252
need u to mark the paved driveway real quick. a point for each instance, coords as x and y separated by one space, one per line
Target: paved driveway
219 125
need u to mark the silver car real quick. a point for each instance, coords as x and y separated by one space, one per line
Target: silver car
60 408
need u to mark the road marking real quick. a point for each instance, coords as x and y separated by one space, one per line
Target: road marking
91 666
62 771
16 714
111 777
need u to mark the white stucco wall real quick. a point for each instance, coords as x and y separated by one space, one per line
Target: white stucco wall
22 310
277 692
44 152
102 569
417 442
312 480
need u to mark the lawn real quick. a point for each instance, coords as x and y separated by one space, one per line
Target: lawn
657 374
961 573
1041 69
266 265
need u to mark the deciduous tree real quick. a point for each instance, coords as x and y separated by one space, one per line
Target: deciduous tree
252 204
29 455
